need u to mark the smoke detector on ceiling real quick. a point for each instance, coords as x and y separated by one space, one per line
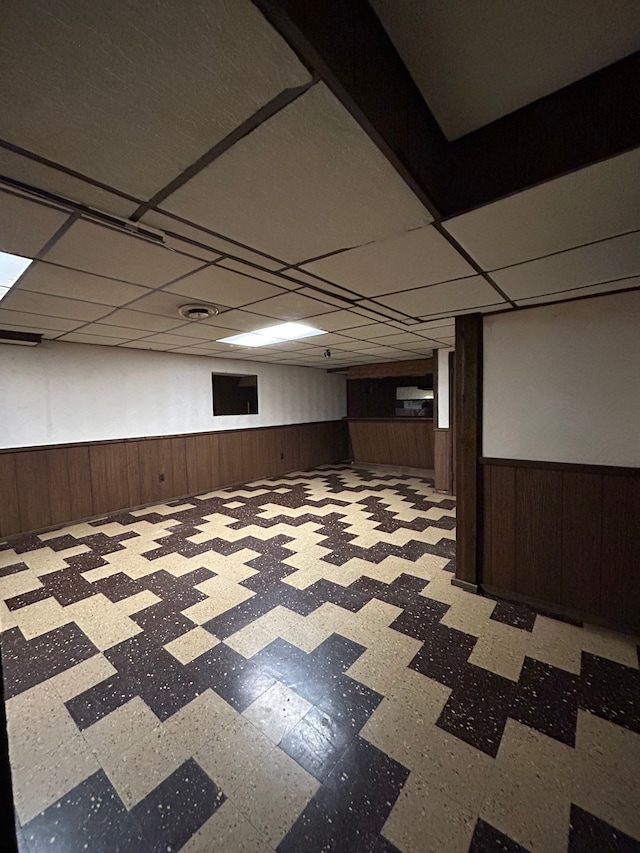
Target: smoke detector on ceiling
198 312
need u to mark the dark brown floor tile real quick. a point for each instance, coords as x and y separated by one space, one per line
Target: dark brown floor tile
177 808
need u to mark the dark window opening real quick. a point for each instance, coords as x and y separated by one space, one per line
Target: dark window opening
234 395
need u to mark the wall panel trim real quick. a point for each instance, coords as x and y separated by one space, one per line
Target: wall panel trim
570 467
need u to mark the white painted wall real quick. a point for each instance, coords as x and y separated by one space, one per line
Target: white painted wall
443 387
65 392
562 382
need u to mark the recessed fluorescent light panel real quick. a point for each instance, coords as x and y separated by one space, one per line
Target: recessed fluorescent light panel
272 335
11 268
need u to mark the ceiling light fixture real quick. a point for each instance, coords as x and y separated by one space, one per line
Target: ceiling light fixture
23 339
198 312
272 335
11 268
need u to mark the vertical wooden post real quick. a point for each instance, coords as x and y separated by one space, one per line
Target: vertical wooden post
468 408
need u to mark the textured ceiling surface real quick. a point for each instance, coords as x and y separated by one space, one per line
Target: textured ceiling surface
477 60
234 177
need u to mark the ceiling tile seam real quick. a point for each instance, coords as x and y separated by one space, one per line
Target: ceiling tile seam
418 287
16 192
471 260
282 100
144 295
299 264
215 234
72 173
583 287
565 251
93 275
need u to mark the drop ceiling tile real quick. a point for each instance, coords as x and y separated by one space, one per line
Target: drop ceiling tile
203 330
347 345
401 338
172 340
43 277
243 321
167 223
338 321
431 325
139 320
380 310
98 340
144 344
256 272
307 181
318 293
137 78
593 203
475 62
160 302
45 177
372 330
193 351
35 322
292 306
26 226
576 293
611 259
106 331
413 259
104 251
219 286
445 342
55 306
461 295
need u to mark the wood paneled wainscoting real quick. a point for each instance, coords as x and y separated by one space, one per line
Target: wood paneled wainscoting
563 534
44 486
392 441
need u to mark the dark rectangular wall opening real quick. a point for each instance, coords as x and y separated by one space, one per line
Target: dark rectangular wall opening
234 394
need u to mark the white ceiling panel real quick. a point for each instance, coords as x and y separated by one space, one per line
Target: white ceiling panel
104 251
139 320
160 302
338 321
34 322
476 61
219 286
172 340
241 321
97 340
598 262
45 177
293 306
26 226
608 287
430 327
413 259
144 344
306 182
203 330
164 223
365 333
461 295
254 272
54 306
59 281
314 293
116 332
406 340
593 203
132 93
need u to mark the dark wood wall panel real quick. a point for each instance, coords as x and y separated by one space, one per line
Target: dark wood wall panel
539 533
566 535
9 505
500 527
581 541
47 486
386 441
620 584
442 459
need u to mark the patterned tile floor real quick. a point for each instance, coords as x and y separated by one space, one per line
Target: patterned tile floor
285 665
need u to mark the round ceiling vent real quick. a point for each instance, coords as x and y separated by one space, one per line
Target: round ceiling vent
198 312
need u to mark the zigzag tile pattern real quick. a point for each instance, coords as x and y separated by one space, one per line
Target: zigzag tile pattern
285 666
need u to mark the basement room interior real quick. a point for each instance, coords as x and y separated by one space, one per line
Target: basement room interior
319 426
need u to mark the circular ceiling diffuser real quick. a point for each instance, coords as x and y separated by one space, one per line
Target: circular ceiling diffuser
197 312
